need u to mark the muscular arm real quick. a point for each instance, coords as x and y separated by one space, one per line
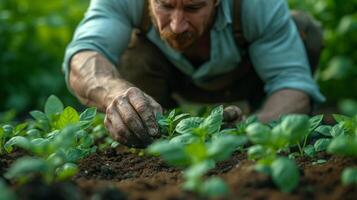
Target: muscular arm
94 80
284 101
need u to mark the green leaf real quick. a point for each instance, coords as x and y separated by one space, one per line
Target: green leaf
20 127
340 118
337 130
322 144
310 151
174 154
214 187
186 126
315 122
33 133
184 139
196 171
212 124
40 146
180 117
68 116
38 115
73 155
88 115
53 106
222 147
26 166
344 146
259 133
67 171
295 127
349 176
17 141
324 130
285 174
196 151
257 152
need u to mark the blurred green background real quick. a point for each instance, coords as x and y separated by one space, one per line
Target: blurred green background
34 34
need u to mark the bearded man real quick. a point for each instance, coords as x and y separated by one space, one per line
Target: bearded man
189 50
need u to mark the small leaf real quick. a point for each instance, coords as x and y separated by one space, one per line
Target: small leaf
295 127
344 146
17 141
172 114
349 176
198 170
20 127
340 118
322 144
212 124
310 151
324 130
172 153
214 187
337 130
222 147
180 117
257 152
184 139
285 174
40 146
315 122
26 166
67 171
68 116
53 106
186 126
88 115
259 133
38 115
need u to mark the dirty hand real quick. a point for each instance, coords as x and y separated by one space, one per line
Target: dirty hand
130 118
232 115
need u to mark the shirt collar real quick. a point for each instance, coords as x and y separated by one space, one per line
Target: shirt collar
223 15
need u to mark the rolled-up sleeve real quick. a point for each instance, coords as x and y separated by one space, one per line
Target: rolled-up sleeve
277 51
106 28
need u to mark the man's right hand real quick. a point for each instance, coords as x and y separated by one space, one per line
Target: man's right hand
130 118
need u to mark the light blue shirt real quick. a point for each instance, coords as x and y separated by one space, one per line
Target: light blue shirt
276 50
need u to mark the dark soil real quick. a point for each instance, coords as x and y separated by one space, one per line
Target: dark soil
120 174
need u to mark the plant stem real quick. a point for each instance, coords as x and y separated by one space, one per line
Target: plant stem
300 149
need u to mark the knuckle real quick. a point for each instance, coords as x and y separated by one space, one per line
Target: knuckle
141 107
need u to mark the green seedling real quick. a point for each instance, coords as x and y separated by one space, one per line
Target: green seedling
168 122
198 146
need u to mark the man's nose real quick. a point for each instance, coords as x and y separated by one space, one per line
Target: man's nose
178 22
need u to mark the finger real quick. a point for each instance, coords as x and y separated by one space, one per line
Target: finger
119 130
156 106
132 120
145 111
232 113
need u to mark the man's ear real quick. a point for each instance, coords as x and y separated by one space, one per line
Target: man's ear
217 2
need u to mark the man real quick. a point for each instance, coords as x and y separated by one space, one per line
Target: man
189 51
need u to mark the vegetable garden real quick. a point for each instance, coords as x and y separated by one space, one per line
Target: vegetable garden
58 152
63 154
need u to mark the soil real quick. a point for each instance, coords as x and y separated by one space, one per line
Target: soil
120 174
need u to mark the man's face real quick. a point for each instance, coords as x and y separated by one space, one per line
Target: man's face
181 22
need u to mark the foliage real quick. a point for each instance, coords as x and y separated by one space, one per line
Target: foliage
198 145
338 67
33 39
57 138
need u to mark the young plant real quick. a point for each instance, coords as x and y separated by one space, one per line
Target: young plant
269 142
168 122
197 148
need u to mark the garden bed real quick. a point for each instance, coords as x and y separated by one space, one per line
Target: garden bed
145 177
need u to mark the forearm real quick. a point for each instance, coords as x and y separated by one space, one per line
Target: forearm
282 102
95 80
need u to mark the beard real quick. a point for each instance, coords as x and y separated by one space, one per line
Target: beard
180 41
